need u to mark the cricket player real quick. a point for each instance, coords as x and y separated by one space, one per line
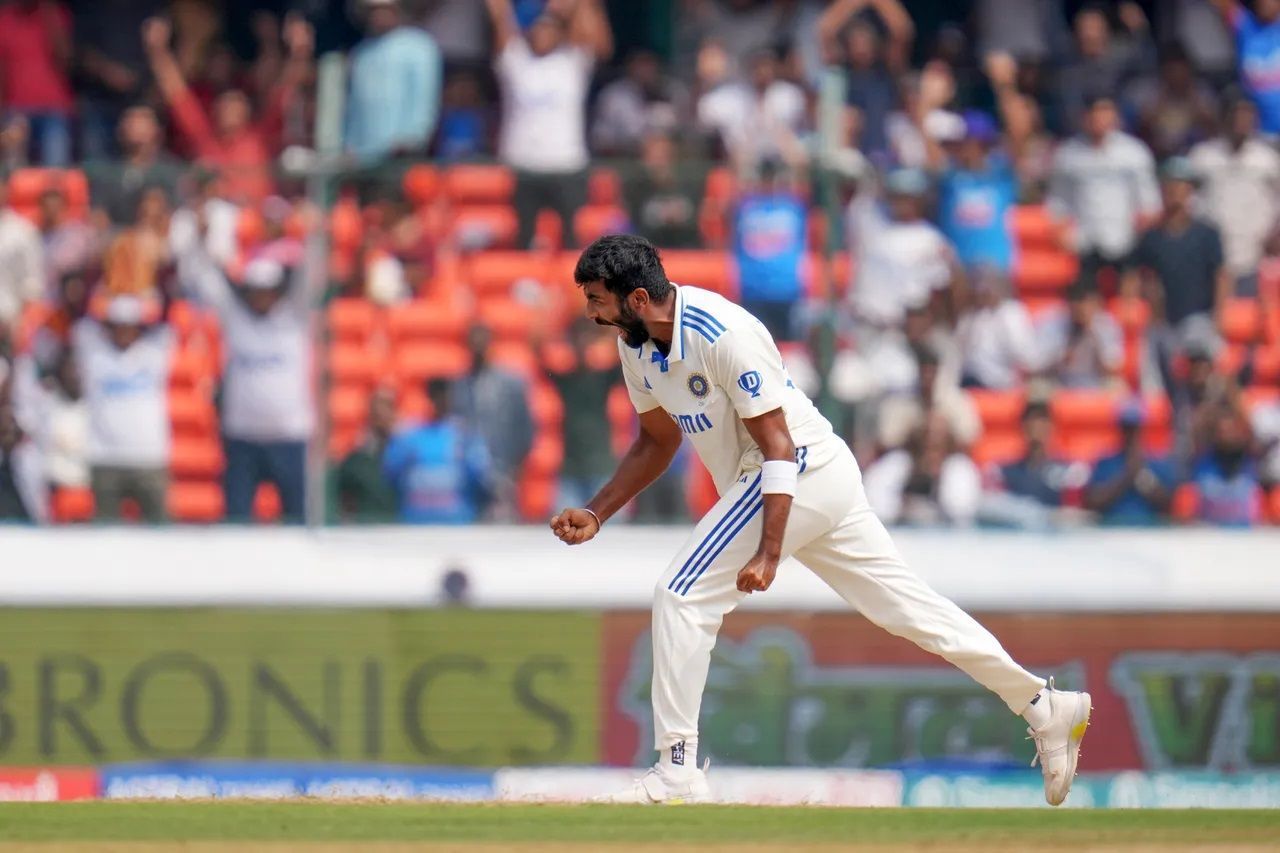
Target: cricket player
698 365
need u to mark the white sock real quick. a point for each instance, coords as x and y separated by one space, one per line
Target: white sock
1037 711
680 757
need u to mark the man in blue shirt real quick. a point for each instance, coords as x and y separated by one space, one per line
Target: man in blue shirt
1129 487
975 197
1258 49
439 473
768 244
396 77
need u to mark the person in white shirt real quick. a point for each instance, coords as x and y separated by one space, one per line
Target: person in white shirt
124 362
544 78
927 483
1083 346
23 497
268 411
21 262
1240 189
997 340
697 365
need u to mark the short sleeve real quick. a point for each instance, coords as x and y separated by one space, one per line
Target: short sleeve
746 364
637 389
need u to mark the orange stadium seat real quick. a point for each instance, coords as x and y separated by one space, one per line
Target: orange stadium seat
1273 505
71 504
998 409
548 408
1042 270
485 225
27 185
998 447
516 356
1087 445
508 319
1241 321
1084 409
471 183
604 187
1040 305
1186 503
415 362
546 455
595 221
1266 365
1033 226
1131 313
352 319
196 502
355 364
494 272
1232 359
536 497
421 184
196 458
191 366
266 503
422 319
348 406
342 442
191 412
721 185
1256 396
705 269
346 225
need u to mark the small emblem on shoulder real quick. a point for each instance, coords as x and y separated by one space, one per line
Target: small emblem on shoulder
751 382
699 385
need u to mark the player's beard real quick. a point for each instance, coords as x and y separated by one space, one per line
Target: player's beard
633 330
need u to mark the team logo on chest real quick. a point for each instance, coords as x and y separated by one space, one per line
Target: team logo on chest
699 385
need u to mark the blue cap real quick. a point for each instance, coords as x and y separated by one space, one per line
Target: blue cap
980 126
912 182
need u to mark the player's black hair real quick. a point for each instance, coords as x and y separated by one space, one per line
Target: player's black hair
623 263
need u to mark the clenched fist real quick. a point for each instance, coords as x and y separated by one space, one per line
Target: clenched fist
574 526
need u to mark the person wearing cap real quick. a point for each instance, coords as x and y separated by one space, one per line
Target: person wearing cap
997 340
1240 189
903 259
124 356
545 75
396 80
267 401
1103 182
1181 267
1131 487
976 194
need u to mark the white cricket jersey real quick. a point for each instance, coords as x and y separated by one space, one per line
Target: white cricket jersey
723 367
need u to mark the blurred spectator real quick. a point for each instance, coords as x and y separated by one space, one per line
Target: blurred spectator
663 194
643 101
742 26
1181 265
63 428
116 186
1174 110
1101 62
438 469
996 337
769 237
52 337
848 29
22 490
1258 52
584 385
137 258
267 409
772 124
1265 421
927 483
69 244
935 395
1131 487
21 262
358 491
903 260
722 100
395 85
1199 389
229 140
1226 476
1029 493
460 28
1105 181
1030 148
111 72
917 131
976 196
494 404
544 79
124 364
1241 189
35 57
466 123
204 228
1083 344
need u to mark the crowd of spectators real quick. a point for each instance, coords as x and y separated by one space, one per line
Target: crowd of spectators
1124 152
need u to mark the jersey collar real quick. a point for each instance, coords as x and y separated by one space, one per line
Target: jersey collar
677 332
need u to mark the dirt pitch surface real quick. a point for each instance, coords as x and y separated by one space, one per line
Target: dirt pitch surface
215 827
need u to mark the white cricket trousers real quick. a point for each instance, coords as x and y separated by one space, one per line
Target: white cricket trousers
834 533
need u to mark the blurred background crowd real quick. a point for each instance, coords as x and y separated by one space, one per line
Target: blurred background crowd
1024 252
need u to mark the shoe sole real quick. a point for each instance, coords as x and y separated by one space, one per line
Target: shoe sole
1076 736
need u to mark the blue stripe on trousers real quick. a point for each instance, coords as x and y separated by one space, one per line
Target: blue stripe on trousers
724 521
744 519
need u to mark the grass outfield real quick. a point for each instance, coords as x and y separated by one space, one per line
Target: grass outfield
124 826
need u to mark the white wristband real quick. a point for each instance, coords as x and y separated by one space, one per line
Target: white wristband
778 477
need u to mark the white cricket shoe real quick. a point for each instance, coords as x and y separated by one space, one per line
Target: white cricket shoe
1058 741
666 785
